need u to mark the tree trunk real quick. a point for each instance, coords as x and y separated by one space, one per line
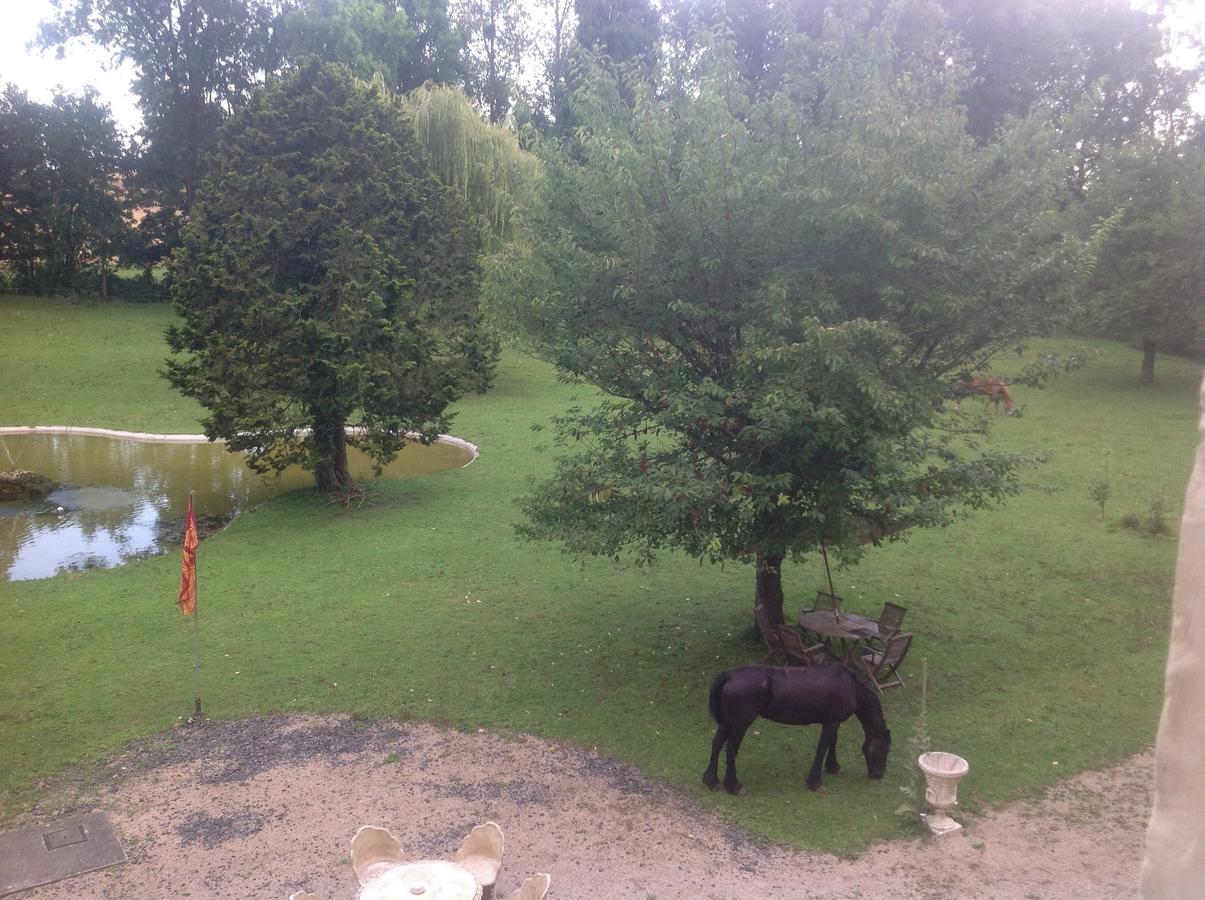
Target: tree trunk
769 586
330 442
1149 346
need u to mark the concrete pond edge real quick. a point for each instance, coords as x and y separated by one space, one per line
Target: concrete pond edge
197 438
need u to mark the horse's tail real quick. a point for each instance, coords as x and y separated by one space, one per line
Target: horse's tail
1008 397
713 699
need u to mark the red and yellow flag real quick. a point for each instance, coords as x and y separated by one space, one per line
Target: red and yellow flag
188 569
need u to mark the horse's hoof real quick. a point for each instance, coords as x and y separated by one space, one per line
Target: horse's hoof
712 782
837 770
738 791
817 788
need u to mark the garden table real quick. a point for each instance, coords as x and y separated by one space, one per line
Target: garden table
844 630
427 879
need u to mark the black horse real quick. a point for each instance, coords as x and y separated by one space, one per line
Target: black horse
826 695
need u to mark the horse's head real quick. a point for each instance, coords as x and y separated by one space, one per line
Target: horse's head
875 750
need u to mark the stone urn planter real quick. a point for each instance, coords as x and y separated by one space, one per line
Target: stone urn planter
942 771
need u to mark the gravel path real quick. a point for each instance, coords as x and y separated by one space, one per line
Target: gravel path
263 807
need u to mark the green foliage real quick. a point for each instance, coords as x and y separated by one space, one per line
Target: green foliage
327 278
406 44
497 40
774 294
1027 51
553 42
624 31
1131 521
194 61
1156 523
1101 66
483 162
1100 490
1153 524
60 209
1150 280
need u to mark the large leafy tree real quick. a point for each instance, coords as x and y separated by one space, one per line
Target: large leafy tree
498 34
194 62
327 279
1023 50
1020 52
774 294
1149 285
626 32
406 43
553 42
60 200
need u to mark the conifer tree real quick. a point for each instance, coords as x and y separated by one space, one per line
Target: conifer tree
327 279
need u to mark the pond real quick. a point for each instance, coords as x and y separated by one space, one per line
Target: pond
120 497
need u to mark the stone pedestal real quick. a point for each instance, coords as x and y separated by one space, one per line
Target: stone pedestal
942 771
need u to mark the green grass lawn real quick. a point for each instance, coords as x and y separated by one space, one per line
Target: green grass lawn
1044 626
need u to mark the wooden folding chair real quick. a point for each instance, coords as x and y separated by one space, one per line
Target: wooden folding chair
794 649
769 634
825 600
882 666
890 620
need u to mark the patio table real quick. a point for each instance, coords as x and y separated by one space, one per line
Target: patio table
846 631
428 879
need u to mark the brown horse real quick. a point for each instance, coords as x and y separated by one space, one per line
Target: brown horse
993 390
824 695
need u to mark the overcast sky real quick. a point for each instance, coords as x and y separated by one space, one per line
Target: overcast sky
38 73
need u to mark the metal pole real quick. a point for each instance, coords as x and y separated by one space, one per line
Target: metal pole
824 553
196 642
196 659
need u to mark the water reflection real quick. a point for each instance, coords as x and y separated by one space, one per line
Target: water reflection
117 495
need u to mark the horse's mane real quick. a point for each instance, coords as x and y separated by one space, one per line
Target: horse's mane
869 709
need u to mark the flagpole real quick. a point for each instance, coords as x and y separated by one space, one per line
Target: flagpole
188 591
196 660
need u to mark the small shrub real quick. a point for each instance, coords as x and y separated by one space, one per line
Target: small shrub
1131 521
1101 488
1156 524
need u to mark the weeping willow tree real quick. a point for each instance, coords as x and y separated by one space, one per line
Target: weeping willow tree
484 162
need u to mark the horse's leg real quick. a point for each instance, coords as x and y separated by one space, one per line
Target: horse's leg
709 774
831 765
828 737
735 736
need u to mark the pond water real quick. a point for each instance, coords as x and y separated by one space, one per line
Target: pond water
122 498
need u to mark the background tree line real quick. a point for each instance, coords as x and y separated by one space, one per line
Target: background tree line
73 206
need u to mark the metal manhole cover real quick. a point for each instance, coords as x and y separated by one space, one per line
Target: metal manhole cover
41 854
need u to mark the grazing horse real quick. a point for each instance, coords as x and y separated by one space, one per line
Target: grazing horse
826 695
993 390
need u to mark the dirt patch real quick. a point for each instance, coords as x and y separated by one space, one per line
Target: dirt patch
267 806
